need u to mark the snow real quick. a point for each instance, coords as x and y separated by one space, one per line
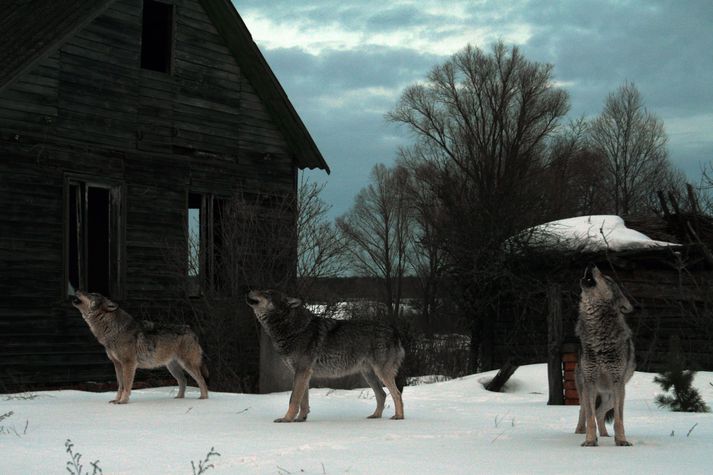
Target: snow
591 233
453 427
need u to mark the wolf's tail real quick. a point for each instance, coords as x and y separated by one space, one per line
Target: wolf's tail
609 416
400 381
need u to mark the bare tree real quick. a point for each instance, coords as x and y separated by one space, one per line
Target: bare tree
481 120
574 179
633 142
320 248
377 231
427 258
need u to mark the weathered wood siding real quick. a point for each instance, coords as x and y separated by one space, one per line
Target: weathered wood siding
90 109
667 303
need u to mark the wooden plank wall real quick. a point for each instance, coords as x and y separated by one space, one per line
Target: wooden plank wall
666 304
88 108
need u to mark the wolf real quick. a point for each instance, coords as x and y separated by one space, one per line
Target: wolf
132 344
324 347
606 360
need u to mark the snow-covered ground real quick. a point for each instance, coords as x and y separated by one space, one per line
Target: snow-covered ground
452 427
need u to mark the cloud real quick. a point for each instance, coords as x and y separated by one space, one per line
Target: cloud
344 64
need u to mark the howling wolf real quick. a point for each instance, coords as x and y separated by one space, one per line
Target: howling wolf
329 348
132 344
606 357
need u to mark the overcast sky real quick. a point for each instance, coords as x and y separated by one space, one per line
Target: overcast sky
344 63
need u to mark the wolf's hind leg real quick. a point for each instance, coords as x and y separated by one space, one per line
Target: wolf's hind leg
379 393
177 372
193 367
582 422
388 377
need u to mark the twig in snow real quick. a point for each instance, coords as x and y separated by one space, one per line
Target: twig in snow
204 465
74 466
244 410
6 415
691 429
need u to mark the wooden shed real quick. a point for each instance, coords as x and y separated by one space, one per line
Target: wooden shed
671 289
117 117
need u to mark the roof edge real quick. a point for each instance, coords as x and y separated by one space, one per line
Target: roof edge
239 41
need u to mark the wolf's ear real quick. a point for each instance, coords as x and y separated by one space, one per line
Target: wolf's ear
108 305
293 302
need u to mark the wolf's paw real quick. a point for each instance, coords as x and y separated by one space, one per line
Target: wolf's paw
397 417
203 397
623 443
374 416
580 430
282 419
590 443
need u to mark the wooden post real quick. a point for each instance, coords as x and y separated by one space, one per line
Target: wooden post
554 344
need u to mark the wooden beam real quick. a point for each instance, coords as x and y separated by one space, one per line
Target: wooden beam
554 345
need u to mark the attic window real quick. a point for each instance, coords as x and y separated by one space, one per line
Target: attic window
157 36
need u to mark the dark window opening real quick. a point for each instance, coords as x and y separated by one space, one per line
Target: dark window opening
157 36
92 238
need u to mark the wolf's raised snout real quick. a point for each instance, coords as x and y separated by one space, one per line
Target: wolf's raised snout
588 279
252 298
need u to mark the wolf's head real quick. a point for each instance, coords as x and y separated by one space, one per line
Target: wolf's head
265 302
599 289
91 304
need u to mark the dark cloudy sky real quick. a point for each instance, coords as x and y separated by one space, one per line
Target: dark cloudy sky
344 64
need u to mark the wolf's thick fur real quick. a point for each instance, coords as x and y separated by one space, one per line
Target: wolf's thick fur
326 347
132 344
606 356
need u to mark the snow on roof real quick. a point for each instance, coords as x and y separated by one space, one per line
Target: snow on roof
590 233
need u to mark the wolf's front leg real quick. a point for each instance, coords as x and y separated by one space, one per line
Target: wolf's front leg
299 386
589 397
619 435
304 406
128 371
119 380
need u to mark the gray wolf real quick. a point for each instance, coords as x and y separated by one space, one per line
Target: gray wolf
606 356
132 344
324 347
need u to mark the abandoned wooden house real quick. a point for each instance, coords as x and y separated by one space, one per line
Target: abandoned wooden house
119 120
